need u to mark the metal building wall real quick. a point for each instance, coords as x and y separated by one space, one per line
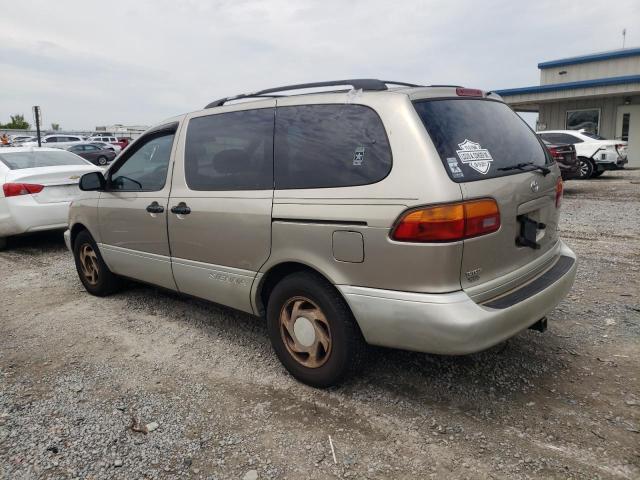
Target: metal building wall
554 114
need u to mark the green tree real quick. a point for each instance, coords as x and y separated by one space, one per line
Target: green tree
17 122
55 127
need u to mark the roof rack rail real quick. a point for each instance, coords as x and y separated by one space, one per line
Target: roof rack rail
368 84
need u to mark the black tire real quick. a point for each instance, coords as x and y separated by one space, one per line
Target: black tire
586 168
3 243
596 174
102 160
104 283
347 346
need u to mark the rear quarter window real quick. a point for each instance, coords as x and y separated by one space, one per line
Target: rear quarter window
320 146
477 139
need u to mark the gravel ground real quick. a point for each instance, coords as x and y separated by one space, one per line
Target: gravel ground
145 384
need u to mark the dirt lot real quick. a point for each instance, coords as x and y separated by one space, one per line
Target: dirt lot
75 369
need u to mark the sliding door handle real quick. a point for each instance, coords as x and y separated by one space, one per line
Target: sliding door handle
181 209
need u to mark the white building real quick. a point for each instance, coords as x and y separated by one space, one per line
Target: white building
118 130
599 92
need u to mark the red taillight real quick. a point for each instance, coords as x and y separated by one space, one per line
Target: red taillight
559 190
468 92
555 154
16 189
448 223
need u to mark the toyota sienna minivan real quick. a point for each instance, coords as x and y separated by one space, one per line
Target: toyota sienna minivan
414 217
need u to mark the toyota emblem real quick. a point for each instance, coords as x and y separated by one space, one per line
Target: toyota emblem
534 186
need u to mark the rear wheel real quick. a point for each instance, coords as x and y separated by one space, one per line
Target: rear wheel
313 331
597 174
102 160
93 272
586 168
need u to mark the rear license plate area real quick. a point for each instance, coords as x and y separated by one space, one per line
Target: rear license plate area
530 233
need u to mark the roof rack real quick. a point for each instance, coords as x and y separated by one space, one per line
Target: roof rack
367 84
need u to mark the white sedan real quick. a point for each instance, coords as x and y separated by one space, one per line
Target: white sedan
38 184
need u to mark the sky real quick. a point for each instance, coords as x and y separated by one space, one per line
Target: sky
137 62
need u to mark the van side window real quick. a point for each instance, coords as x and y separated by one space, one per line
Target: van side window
230 151
319 146
145 168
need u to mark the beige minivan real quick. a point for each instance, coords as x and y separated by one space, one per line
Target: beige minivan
412 217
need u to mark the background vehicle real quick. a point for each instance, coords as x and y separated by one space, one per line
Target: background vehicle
595 154
93 153
37 186
17 140
111 146
56 141
566 158
103 138
434 230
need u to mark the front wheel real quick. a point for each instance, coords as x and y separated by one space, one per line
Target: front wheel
312 330
586 168
597 174
93 272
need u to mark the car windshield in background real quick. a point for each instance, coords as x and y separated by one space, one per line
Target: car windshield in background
479 139
35 159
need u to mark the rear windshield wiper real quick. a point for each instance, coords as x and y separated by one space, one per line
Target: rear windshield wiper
523 165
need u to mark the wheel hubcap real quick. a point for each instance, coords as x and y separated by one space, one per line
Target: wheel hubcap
584 168
305 332
89 264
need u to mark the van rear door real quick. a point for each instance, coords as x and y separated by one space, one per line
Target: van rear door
490 152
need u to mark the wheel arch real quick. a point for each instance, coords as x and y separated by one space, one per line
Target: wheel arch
275 274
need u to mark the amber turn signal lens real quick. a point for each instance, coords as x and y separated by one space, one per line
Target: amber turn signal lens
448 223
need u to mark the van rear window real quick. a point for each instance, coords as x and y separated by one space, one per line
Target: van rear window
476 139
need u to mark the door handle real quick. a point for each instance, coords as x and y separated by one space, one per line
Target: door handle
181 209
155 207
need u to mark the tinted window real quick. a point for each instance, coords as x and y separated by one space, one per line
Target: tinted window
230 151
559 138
145 168
51 140
91 148
34 159
319 146
478 138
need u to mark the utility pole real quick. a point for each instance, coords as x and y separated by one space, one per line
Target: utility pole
624 36
36 114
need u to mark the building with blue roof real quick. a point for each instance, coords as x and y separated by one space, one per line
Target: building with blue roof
599 92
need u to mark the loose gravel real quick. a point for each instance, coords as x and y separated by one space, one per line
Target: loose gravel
146 384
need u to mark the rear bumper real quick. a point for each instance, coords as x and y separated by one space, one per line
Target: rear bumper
452 323
23 214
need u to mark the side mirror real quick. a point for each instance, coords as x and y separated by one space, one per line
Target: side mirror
91 182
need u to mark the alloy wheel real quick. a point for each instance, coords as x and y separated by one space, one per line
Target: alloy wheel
305 332
89 264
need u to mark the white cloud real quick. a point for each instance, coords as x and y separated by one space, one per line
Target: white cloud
89 63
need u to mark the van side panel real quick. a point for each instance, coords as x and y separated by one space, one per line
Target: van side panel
305 220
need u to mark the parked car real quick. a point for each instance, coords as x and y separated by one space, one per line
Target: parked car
103 138
56 141
595 154
123 142
566 158
396 217
37 186
93 153
110 146
19 139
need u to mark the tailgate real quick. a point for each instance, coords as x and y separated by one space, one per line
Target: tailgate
524 197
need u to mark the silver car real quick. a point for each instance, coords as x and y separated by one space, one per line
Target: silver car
412 217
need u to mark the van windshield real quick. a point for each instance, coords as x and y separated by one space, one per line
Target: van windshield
478 139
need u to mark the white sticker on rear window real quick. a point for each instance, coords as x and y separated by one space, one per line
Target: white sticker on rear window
472 154
454 168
